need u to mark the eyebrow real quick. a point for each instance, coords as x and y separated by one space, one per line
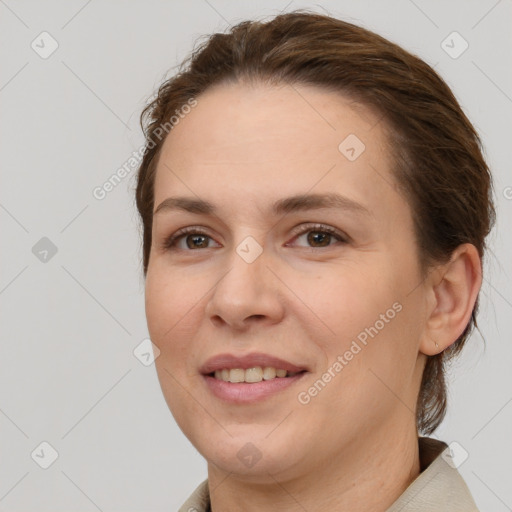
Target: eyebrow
290 204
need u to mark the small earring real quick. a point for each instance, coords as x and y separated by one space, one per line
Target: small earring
437 345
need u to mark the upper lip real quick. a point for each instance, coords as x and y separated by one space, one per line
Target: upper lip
221 361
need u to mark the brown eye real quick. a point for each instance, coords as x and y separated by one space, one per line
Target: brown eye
197 241
319 236
193 239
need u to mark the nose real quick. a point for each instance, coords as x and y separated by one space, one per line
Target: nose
248 293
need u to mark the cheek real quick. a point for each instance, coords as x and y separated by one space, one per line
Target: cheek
174 312
168 301
366 315
169 318
381 348
163 311
349 299
158 303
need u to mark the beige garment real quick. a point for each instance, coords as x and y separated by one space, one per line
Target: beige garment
438 488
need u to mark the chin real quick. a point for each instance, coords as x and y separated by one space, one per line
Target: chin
252 456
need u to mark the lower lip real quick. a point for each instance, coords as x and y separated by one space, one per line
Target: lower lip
244 392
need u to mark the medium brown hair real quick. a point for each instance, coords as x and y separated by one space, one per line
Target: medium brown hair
436 151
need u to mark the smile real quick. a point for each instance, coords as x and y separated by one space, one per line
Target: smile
251 375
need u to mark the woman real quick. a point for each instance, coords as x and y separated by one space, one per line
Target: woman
314 205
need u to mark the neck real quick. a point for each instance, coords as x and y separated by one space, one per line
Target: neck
363 477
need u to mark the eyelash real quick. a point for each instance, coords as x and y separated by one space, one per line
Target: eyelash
170 242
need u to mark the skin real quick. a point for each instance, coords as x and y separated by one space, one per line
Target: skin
354 445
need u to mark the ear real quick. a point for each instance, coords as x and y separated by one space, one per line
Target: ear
454 288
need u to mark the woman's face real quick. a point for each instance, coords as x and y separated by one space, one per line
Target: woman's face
327 284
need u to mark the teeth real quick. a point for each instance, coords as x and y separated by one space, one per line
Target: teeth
236 375
269 373
256 374
253 374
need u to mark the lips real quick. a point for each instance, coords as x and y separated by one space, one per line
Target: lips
222 361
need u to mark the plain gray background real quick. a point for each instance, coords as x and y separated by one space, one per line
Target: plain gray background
70 321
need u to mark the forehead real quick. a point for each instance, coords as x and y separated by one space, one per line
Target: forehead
242 118
256 140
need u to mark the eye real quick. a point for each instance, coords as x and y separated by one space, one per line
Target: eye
320 235
317 236
193 238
